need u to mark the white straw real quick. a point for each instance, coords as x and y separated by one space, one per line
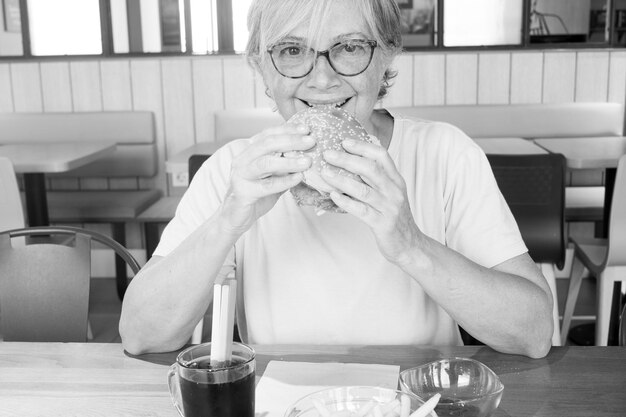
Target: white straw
427 407
224 298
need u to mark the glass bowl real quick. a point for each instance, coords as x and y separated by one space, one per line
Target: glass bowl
353 401
468 388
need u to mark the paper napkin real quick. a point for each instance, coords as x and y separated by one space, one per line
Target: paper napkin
283 383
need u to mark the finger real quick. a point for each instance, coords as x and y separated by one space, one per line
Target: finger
269 165
277 183
376 153
358 209
370 170
279 140
355 189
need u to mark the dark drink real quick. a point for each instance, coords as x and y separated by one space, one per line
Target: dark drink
210 399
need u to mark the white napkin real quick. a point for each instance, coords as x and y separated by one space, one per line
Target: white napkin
283 383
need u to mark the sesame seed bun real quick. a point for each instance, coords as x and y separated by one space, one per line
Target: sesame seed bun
329 126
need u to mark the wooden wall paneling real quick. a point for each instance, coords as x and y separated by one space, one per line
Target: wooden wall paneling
592 76
401 91
56 87
526 77
87 96
559 77
461 78
6 93
26 85
57 97
86 85
117 96
239 84
178 105
208 95
147 94
494 78
429 79
617 77
116 85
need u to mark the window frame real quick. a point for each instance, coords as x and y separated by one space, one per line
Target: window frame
226 35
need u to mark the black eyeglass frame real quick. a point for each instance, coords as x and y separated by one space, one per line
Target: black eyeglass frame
326 53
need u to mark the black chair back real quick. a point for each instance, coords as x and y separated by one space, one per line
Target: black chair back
534 188
195 162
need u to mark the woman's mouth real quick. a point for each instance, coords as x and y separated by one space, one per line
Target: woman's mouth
326 103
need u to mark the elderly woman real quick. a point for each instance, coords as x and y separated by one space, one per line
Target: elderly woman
427 244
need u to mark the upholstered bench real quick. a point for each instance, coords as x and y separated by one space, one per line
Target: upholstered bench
135 157
485 121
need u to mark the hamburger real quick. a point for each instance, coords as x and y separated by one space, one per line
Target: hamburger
329 126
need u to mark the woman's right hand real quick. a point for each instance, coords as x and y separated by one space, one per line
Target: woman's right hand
260 175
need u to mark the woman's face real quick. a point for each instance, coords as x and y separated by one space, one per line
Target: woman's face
357 94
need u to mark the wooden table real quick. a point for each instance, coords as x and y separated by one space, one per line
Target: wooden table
34 160
63 379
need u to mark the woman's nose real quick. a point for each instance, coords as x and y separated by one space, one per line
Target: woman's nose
323 75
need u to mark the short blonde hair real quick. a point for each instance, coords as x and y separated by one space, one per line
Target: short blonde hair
270 21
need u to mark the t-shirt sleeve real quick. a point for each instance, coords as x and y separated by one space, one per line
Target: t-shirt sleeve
200 201
479 223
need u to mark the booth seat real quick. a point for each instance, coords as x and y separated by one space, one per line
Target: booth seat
527 121
135 156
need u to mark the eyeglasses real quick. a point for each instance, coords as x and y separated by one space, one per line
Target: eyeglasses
348 58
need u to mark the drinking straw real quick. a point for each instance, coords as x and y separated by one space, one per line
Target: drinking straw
224 298
427 407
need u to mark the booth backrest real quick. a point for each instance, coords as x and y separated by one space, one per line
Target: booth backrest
132 131
478 121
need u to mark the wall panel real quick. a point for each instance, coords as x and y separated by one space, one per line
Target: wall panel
208 96
494 78
147 95
116 87
86 85
526 77
56 87
26 82
559 79
592 76
178 105
462 78
429 79
6 93
617 77
239 85
401 92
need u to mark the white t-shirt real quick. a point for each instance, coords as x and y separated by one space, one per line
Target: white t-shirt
321 279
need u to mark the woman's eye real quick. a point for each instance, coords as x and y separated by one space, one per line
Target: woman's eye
291 51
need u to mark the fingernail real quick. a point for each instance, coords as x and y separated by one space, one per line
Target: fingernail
303 161
329 172
348 143
303 129
308 139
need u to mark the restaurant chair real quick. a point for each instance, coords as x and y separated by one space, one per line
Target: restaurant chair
44 285
604 259
195 162
534 188
11 209
622 327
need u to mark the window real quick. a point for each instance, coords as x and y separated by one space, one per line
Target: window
109 27
65 27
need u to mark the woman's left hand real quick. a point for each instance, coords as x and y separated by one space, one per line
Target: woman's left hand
380 200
